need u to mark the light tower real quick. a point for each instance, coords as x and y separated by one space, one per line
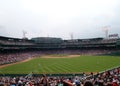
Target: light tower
71 36
105 29
24 34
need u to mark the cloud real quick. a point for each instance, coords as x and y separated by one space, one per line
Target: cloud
56 18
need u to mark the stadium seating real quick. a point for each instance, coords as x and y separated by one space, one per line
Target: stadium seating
106 78
15 50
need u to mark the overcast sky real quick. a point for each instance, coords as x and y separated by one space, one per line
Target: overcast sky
59 18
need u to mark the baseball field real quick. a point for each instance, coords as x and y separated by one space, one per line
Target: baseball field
54 64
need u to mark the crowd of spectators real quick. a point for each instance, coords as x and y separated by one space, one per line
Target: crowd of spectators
106 78
6 58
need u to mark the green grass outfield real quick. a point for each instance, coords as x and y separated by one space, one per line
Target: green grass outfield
63 65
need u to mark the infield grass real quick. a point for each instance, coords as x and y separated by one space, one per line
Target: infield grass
63 65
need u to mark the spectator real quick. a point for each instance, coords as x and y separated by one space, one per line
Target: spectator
88 83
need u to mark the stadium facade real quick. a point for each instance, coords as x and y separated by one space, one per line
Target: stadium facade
7 43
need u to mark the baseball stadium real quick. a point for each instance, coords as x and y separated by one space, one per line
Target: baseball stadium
80 59
59 42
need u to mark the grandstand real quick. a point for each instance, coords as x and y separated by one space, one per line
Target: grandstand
57 43
50 45
16 50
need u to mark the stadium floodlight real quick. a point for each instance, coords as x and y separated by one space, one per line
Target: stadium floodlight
24 34
71 36
105 29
